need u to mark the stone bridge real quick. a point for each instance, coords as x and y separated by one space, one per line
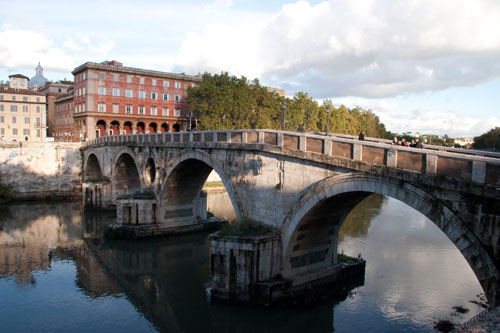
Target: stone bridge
302 185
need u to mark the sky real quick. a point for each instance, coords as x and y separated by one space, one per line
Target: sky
427 66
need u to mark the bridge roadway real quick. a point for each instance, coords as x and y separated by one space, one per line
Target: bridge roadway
302 185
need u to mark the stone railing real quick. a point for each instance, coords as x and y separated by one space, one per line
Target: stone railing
467 165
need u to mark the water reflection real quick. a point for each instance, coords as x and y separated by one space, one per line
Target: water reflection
414 276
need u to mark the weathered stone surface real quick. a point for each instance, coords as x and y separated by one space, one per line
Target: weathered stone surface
37 169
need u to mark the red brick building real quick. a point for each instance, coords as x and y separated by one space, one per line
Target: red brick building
110 99
64 124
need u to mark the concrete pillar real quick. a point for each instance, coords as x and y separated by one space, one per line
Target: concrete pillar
478 171
430 164
357 152
244 137
228 136
261 137
327 147
280 140
391 157
302 143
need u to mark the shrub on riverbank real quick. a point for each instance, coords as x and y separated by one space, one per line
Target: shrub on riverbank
5 193
244 227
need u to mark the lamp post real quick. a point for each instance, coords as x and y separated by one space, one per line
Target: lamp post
283 120
327 118
223 121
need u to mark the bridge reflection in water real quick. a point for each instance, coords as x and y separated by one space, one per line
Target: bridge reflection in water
165 279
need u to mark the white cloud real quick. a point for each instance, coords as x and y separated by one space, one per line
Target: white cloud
23 49
423 119
359 48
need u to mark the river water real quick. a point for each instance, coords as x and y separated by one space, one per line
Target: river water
58 275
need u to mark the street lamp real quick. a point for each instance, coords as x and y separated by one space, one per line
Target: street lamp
283 120
327 118
223 121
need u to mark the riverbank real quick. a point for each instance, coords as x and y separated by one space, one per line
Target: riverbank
490 322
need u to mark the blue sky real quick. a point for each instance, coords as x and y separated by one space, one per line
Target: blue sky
424 66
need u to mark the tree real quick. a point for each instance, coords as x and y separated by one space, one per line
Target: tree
488 140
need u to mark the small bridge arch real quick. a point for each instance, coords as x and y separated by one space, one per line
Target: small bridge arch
93 169
310 231
126 176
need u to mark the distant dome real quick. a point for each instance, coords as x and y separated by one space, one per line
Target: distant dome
38 80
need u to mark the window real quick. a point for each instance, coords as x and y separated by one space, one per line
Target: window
1 97
2 131
1 108
129 79
37 109
13 108
84 75
165 112
166 83
177 112
38 99
142 94
14 131
38 122
25 109
116 92
38 132
83 107
128 109
101 76
101 107
116 77
129 93
153 82
165 97
115 108
25 98
177 98
102 91
83 91
26 131
2 119
154 111
140 110
177 85
13 98
141 80
154 95
14 119
26 120
79 92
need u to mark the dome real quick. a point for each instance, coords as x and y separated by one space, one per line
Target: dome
38 80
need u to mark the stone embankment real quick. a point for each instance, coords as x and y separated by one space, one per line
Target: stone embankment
37 170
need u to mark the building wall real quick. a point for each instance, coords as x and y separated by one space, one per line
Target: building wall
53 91
22 115
36 169
64 125
110 99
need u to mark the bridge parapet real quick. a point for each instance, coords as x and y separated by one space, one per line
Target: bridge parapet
467 165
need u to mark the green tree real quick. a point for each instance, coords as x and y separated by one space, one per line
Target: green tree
488 140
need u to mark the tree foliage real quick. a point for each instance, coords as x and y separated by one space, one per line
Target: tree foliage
488 140
222 101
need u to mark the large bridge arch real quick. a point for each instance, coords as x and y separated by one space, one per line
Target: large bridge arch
309 244
180 186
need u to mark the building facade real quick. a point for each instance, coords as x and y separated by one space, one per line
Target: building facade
22 111
52 91
111 99
64 124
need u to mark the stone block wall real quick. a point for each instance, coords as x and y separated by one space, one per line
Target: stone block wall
37 169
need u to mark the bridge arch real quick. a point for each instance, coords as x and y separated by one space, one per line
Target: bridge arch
180 185
126 176
93 169
345 192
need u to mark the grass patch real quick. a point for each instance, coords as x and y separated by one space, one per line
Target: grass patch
243 228
213 184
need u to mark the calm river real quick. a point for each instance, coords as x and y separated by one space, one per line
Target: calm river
57 275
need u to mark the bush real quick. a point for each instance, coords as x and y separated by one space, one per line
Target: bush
245 227
5 193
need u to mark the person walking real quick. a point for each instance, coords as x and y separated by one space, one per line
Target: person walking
361 136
